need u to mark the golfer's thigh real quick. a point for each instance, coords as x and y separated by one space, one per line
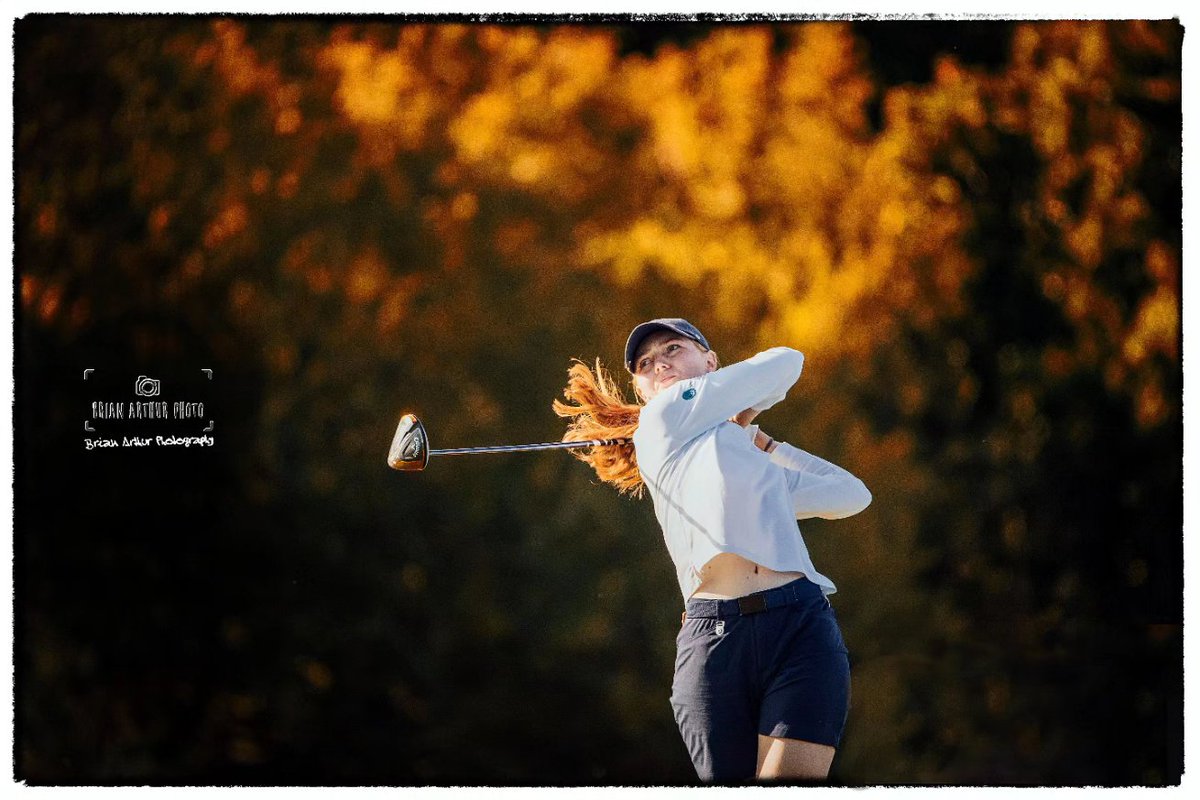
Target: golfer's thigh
782 759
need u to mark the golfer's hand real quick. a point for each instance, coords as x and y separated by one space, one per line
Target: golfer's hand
744 418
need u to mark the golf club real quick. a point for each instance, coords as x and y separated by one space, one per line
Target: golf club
410 446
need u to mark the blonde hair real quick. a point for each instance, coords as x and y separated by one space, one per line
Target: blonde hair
599 410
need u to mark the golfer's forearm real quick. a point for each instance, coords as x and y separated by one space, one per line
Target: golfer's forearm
819 488
749 386
754 384
791 457
827 496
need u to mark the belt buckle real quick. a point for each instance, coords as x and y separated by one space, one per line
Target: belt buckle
752 604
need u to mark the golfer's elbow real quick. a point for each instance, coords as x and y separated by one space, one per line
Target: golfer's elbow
864 496
855 499
780 367
791 364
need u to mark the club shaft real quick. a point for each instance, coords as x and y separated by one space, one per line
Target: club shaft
516 448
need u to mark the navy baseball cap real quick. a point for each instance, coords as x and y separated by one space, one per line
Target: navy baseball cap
673 324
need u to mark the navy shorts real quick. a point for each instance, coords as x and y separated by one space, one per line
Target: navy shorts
771 663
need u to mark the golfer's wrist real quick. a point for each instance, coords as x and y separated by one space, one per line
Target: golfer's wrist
764 442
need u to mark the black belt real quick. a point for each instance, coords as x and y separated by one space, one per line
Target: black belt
752 603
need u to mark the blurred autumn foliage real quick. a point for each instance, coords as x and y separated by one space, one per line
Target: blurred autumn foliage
347 220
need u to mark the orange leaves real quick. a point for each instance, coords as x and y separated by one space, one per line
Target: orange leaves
823 75
366 277
45 300
394 306
238 63
705 111
1156 324
754 171
288 121
706 107
1060 93
742 168
47 221
371 82
530 124
228 223
385 93
479 129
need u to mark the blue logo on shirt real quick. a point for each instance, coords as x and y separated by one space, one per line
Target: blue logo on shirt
688 394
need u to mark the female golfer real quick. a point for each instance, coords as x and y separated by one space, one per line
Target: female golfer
762 680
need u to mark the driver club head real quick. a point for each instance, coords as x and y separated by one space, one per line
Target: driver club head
410 446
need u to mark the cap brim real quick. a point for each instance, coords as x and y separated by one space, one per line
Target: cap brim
638 335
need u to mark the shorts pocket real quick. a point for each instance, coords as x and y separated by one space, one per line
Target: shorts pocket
710 657
694 628
815 628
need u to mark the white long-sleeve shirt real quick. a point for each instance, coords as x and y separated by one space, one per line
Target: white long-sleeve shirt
715 492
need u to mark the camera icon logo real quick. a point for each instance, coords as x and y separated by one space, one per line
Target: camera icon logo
146 387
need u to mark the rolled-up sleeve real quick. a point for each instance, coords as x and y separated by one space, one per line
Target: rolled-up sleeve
820 488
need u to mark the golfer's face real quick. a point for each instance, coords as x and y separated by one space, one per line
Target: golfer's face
665 358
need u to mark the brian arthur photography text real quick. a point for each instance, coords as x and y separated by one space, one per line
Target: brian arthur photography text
148 441
148 410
